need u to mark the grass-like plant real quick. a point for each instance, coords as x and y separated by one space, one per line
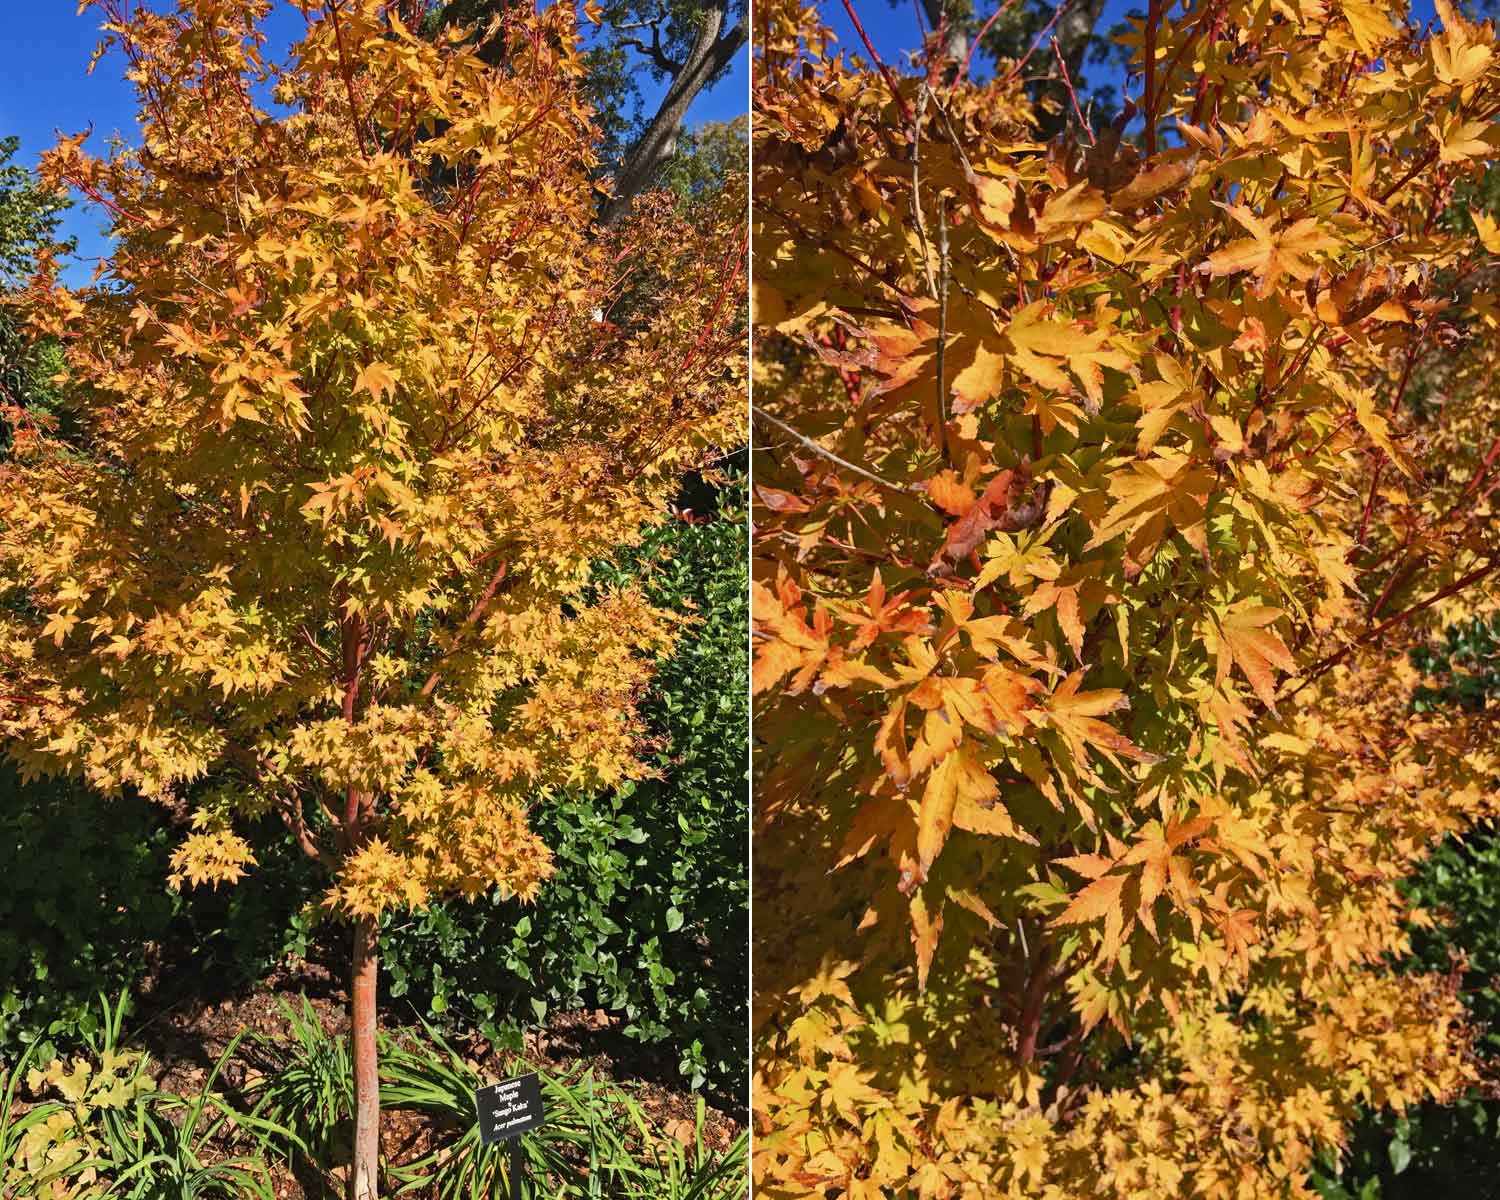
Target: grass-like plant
161 1146
307 1083
115 1136
675 1170
596 1143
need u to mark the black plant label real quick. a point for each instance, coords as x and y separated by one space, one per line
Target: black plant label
509 1109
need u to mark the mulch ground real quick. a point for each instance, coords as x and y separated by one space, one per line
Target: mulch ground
186 1036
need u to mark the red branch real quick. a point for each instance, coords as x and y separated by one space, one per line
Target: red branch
884 70
1153 15
713 317
974 45
1073 96
93 194
1046 29
1324 665
338 37
1029 1026
474 615
1187 42
1364 520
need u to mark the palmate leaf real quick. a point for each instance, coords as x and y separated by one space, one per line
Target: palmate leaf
1172 435
1246 641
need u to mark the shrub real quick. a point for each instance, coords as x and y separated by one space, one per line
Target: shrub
1445 1150
646 914
86 907
305 1083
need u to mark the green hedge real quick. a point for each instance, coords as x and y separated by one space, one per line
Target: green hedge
647 914
1434 1152
84 909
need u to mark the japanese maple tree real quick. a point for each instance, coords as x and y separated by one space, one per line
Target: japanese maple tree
1103 484
362 392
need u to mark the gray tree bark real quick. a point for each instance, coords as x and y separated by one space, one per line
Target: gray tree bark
956 47
711 52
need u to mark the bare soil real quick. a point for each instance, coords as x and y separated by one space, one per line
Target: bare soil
186 1035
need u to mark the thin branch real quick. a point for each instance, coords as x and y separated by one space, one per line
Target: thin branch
974 45
1040 975
1153 16
1072 95
884 70
655 51
1399 576
290 808
942 343
1046 30
828 243
713 317
1212 10
1364 520
338 37
1324 665
829 454
474 614
916 187
316 649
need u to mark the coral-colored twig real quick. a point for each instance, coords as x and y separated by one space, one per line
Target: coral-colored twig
1046 30
884 70
713 317
1072 95
974 45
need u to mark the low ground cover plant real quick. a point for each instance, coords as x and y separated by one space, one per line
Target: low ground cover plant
274 1108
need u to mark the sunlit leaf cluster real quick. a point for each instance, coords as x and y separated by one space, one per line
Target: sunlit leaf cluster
362 393
1102 488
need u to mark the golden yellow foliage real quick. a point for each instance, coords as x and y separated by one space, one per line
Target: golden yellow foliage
363 391
1096 516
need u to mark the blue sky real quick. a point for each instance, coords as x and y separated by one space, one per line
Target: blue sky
894 30
45 89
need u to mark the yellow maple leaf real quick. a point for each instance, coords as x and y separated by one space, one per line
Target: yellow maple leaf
1269 256
377 378
1247 641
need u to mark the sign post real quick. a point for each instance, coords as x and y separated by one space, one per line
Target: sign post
506 1111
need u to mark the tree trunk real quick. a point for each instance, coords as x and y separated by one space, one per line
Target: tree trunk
956 46
656 146
364 1168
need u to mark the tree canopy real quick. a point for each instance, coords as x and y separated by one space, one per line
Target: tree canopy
1104 481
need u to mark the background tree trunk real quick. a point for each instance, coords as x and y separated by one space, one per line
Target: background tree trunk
956 44
365 1166
1074 31
711 52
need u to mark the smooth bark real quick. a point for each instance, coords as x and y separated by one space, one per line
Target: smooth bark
364 1168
